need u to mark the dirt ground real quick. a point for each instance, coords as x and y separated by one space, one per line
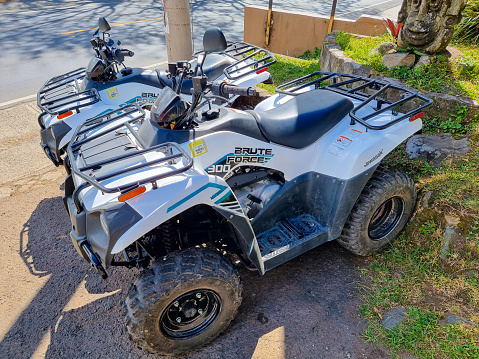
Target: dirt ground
52 305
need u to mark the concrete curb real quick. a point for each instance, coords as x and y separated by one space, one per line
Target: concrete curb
17 101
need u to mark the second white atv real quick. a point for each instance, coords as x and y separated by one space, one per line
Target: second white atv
185 195
106 83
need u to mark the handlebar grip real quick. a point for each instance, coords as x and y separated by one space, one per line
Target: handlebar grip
127 53
236 90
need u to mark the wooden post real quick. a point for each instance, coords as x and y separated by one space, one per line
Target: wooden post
268 22
331 19
179 44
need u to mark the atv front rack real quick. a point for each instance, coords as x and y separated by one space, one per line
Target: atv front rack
62 93
121 121
388 97
247 56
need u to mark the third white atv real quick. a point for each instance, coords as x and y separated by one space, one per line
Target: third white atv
182 193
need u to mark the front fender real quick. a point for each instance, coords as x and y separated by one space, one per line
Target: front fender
169 199
77 119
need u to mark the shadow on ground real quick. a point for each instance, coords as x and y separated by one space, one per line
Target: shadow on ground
307 307
43 28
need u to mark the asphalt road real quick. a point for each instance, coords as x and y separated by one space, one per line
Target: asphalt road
41 39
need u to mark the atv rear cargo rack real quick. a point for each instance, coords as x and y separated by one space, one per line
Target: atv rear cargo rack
62 93
363 89
131 115
247 56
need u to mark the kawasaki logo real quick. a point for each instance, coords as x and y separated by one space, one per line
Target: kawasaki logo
374 158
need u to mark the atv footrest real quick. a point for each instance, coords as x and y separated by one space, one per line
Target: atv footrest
290 238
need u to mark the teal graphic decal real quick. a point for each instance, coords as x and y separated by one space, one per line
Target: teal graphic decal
221 188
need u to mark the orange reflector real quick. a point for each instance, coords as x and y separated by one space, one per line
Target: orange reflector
66 114
133 193
262 70
415 117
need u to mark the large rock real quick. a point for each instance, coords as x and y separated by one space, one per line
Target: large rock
436 148
395 60
395 316
384 48
452 319
423 60
453 241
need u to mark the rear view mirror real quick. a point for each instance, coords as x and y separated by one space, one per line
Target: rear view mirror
214 40
103 25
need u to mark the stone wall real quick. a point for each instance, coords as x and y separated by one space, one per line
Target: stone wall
335 60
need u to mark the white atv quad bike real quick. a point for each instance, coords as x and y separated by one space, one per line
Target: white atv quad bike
70 99
185 194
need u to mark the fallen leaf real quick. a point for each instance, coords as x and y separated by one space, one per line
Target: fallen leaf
378 312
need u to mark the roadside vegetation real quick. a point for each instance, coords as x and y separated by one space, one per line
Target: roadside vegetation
467 31
458 75
414 272
289 68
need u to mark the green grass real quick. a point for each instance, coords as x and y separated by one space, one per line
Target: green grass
467 31
423 335
458 123
308 55
287 69
413 273
441 76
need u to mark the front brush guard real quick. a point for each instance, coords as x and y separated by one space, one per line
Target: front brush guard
126 117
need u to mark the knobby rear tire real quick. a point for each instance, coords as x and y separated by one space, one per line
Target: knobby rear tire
380 213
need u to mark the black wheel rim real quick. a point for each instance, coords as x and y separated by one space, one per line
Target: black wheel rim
385 218
190 314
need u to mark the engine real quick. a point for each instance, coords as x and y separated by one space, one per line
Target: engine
255 196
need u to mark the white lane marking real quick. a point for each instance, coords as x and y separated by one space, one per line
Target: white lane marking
159 64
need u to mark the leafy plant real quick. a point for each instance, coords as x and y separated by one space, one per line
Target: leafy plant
430 78
308 55
411 50
392 28
467 31
458 123
455 123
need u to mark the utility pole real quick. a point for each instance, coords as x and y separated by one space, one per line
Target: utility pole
177 30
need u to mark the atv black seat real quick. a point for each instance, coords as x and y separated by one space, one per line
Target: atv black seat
213 68
303 119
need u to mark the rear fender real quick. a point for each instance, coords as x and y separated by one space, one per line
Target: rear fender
349 150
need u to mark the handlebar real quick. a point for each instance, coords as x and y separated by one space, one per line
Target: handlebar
226 89
126 52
